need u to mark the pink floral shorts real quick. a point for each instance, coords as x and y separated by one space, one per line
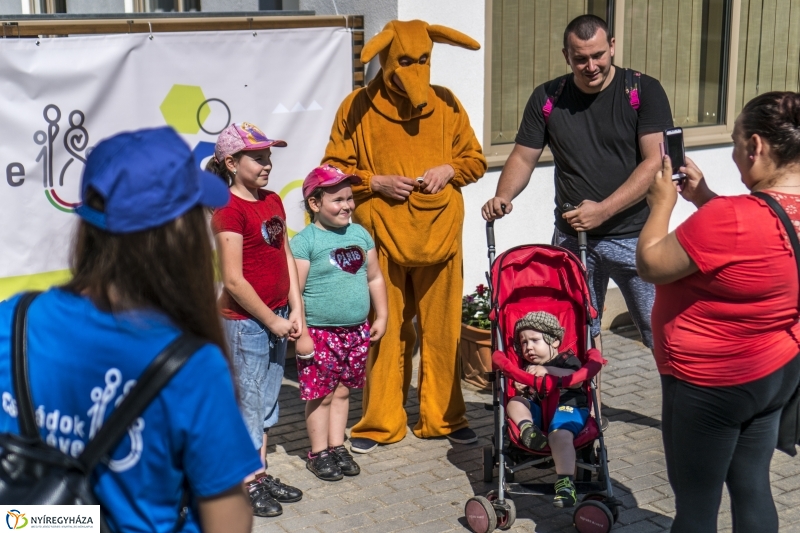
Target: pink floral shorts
340 356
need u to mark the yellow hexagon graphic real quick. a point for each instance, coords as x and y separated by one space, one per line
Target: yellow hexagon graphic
181 108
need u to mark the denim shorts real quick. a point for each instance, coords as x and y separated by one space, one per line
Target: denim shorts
567 417
259 358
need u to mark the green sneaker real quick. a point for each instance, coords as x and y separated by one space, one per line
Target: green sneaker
532 437
565 493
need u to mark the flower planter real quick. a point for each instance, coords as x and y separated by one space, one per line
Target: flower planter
476 355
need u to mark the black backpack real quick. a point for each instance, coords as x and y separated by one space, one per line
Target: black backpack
556 87
35 473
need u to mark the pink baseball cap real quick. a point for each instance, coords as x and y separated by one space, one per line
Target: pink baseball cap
244 136
326 176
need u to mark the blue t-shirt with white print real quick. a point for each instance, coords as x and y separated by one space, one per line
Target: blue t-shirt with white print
82 361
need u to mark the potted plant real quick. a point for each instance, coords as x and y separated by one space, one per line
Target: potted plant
476 337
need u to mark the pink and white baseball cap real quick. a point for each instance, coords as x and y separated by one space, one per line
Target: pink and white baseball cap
245 136
326 176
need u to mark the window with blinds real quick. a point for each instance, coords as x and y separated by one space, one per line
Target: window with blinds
527 40
681 43
769 48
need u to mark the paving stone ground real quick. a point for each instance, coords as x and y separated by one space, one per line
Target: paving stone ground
422 485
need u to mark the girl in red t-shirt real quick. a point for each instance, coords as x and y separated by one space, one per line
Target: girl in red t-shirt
725 321
260 302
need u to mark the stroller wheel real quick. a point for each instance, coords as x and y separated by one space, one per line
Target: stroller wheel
592 516
480 515
612 506
506 513
488 464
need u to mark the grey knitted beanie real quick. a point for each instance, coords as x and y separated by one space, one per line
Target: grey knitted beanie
543 322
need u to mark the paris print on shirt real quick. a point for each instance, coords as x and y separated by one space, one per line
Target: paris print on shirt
349 259
273 230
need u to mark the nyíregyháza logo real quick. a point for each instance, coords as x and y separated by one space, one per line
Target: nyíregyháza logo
16 519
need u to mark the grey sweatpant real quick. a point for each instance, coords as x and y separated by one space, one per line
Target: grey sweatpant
615 259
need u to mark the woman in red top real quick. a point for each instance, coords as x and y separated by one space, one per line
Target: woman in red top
725 321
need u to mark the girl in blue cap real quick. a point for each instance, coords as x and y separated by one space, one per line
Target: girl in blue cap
133 292
260 302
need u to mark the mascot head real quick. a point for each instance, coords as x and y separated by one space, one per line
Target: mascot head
405 55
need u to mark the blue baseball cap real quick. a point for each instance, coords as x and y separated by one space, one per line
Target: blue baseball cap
146 178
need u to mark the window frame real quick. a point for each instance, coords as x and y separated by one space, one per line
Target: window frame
699 136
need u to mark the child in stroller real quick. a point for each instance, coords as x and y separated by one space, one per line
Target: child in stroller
552 279
537 337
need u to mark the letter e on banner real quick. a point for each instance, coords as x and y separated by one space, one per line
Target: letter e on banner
15 170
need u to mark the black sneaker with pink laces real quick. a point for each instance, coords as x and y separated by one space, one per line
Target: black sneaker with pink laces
344 460
323 465
280 491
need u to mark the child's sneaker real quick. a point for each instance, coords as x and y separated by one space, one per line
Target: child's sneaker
263 504
565 493
344 460
532 437
323 465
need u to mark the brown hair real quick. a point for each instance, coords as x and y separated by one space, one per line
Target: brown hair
169 268
775 116
317 195
221 169
584 27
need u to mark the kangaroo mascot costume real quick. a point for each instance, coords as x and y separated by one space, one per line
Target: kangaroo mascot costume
413 148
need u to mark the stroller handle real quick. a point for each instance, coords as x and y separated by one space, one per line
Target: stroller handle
490 237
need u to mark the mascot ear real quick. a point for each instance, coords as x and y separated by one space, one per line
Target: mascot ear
443 34
376 44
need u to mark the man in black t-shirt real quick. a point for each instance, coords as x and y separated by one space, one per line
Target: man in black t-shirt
606 153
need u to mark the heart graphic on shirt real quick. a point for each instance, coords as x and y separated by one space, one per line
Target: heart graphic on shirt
349 259
272 230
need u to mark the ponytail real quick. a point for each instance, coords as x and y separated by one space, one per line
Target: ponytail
221 169
317 195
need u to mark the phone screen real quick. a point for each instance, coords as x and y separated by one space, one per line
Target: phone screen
673 140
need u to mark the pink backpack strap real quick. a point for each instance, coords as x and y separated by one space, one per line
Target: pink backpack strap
632 81
548 106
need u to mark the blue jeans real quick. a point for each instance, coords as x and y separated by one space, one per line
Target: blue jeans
259 358
615 259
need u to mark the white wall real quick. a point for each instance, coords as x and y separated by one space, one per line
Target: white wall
95 6
10 7
376 12
229 5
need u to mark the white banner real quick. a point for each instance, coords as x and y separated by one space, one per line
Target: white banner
60 96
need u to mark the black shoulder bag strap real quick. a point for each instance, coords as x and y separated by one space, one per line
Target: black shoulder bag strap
789 427
784 218
154 378
148 386
19 368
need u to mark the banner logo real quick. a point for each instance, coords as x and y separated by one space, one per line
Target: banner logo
76 142
17 516
187 109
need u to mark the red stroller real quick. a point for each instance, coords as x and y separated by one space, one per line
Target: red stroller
552 279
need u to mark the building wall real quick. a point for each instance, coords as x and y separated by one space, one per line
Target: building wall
229 5
532 219
95 6
376 12
10 7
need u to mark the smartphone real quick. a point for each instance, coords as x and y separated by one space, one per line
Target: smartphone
673 147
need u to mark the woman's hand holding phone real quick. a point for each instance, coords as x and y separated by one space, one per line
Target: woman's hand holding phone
694 187
663 191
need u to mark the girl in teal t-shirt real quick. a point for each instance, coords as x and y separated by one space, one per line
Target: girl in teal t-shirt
338 275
